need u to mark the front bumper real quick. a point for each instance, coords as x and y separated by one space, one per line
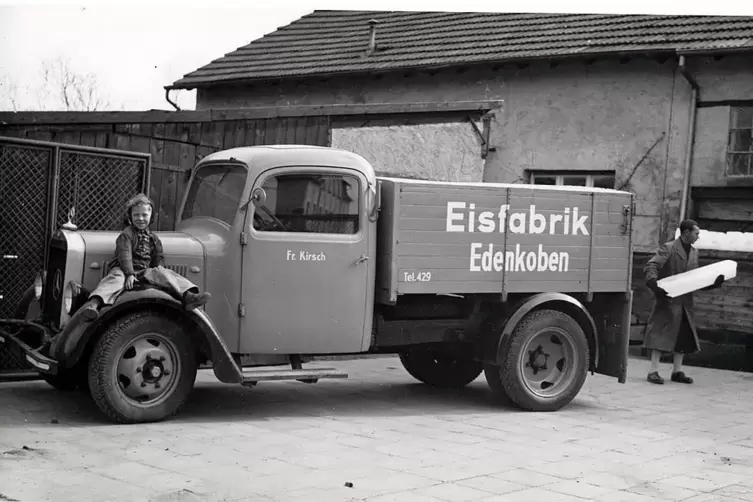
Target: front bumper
12 341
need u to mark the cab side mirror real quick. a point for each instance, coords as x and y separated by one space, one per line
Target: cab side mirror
375 190
259 196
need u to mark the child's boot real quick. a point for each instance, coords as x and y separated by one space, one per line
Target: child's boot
193 300
90 311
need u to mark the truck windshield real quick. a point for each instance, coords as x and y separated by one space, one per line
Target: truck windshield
216 192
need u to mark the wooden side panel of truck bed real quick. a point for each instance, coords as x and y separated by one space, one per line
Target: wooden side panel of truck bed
493 238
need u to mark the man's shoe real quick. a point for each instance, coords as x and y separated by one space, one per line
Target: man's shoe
680 377
654 377
193 301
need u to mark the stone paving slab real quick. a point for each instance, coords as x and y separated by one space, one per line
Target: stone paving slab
393 439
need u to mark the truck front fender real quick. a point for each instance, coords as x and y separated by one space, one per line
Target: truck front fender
557 301
69 345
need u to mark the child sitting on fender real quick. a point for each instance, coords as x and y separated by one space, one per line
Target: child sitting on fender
138 257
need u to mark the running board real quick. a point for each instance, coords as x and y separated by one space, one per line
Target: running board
252 375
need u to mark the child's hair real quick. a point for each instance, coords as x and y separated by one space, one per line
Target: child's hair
137 200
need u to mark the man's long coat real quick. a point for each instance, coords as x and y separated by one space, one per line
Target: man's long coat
671 327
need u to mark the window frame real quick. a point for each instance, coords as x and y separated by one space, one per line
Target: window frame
194 176
560 175
728 152
362 186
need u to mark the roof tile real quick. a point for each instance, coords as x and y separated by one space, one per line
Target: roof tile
334 42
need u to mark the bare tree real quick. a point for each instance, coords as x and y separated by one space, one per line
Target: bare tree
9 93
59 88
73 91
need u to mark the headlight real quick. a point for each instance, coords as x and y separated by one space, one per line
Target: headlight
70 295
38 285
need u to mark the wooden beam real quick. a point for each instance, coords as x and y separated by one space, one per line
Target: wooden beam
213 115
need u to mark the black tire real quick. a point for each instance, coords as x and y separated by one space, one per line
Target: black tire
516 377
74 379
144 343
441 368
22 309
748 363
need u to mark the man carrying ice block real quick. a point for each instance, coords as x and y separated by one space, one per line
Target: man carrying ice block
671 327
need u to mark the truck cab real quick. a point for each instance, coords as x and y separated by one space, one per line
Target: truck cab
297 257
306 253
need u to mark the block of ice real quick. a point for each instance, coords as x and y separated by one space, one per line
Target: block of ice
723 241
693 280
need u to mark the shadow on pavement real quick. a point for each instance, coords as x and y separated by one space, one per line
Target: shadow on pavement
212 401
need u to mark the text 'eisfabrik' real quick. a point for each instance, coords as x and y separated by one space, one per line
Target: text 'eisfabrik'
462 217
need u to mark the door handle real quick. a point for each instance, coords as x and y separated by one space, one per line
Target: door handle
362 259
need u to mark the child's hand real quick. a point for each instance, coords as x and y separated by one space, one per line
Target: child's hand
130 280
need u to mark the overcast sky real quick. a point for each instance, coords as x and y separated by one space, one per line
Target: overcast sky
134 48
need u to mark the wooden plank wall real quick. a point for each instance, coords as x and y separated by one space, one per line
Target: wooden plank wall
175 147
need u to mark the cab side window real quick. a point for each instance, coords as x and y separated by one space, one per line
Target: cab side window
312 203
216 193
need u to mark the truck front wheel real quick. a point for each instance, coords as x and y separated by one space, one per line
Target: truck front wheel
142 368
441 368
543 364
74 379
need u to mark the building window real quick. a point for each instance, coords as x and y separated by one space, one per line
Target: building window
740 143
309 203
574 178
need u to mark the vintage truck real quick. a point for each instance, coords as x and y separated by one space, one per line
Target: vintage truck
307 253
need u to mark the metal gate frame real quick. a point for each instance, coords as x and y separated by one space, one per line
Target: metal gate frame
65 166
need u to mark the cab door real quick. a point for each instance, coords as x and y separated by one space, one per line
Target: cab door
305 266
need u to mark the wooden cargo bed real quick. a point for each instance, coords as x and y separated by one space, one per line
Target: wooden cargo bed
440 238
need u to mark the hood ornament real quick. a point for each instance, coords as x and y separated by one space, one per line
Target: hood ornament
69 224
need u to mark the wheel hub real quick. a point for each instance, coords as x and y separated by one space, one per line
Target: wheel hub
145 368
548 361
537 359
153 370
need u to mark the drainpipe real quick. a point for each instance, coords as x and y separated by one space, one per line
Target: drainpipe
691 135
167 97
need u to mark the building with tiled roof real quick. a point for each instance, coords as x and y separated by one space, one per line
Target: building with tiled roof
329 43
660 105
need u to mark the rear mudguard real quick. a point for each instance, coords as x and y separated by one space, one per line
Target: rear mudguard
70 344
559 301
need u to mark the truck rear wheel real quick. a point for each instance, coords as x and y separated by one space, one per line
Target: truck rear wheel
544 363
142 368
441 368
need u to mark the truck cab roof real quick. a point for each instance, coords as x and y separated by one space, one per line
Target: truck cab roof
261 158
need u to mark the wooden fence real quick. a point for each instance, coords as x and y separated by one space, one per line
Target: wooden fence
176 140
176 146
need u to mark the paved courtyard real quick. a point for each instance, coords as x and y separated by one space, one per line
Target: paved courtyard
388 439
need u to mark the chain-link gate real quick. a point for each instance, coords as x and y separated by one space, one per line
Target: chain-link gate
39 183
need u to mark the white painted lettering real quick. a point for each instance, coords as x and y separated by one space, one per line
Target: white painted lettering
518 223
486 222
520 260
462 217
553 222
309 256
503 217
475 256
553 262
579 224
536 222
453 216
